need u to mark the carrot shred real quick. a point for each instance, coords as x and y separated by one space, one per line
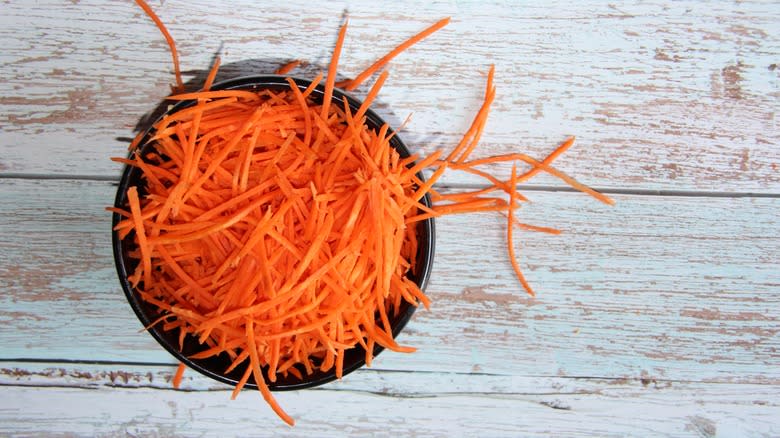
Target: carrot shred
212 74
206 94
287 68
241 383
171 43
381 62
259 380
178 376
530 227
481 118
542 167
334 63
509 238
547 160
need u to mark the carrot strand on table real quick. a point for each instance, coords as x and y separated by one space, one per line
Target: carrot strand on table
567 179
381 62
509 237
547 160
212 74
287 68
259 380
168 38
178 376
530 227
332 68
481 119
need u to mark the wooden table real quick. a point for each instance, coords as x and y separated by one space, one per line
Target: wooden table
659 316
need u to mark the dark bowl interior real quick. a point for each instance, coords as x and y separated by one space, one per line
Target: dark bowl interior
214 367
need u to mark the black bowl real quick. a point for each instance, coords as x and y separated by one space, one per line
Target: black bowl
214 367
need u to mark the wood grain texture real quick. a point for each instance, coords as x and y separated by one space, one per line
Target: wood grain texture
76 399
654 287
661 96
658 317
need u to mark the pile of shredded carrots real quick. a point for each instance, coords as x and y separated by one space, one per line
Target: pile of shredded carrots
281 231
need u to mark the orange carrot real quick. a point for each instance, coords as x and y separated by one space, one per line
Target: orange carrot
143 245
376 66
334 62
509 239
179 373
171 43
241 383
529 227
481 119
261 385
542 167
208 95
547 160
212 74
287 68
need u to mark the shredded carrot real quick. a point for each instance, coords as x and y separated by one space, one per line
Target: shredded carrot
547 160
280 231
333 66
212 74
530 227
171 43
261 385
143 245
540 166
383 61
481 118
509 239
179 373
287 68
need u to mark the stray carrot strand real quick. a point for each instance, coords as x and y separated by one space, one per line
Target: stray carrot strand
169 39
331 79
548 159
212 74
509 238
287 68
178 376
381 62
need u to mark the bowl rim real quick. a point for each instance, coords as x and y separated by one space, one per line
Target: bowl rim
374 121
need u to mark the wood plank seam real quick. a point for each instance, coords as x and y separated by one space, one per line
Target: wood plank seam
530 187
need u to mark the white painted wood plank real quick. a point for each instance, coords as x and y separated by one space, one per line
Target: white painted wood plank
663 287
661 95
114 393
392 383
698 410
395 383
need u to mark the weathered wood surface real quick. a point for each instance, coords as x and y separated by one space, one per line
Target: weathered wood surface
672 96
146 412
662 287
672 318
660 316
139 401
